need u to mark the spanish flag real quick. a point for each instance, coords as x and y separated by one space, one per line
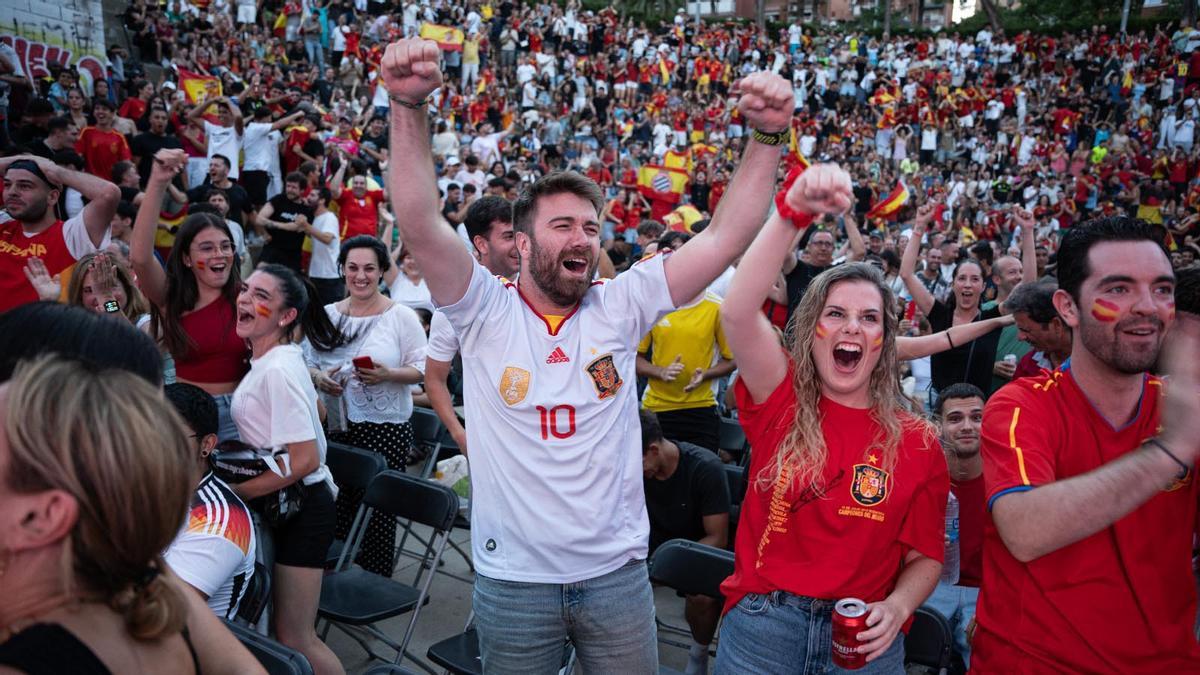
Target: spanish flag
890 204
664 70
682 218
678 160
662 183
449 39
795 156
198 87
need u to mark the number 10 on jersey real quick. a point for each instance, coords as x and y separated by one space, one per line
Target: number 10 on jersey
554 420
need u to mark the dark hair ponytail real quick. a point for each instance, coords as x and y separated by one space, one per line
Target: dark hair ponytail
311 318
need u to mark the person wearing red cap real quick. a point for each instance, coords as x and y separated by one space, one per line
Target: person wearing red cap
31 228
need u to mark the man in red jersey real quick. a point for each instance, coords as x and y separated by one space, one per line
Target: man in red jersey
30 228
1089 477
102 146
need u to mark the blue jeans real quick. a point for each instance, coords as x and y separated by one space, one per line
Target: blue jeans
609 619
785 634
226 429
957 604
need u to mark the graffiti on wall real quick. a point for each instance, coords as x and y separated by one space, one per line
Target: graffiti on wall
36 57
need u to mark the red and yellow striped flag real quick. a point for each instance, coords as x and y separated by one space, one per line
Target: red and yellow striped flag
890 204
448 38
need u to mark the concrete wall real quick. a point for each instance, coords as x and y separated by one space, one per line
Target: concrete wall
64 31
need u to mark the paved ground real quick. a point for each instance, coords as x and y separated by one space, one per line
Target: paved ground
447 613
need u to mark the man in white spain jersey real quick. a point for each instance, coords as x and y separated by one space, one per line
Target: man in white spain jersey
559 528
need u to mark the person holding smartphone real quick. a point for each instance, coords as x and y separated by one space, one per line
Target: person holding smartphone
366 381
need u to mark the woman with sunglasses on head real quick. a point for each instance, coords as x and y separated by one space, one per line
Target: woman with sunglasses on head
193 298
275 406
367 381
847 488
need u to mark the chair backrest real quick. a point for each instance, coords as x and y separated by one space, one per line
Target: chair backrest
426 426
258 593
929 641
732 437
735 477
410 498
274 657
353 468
691 568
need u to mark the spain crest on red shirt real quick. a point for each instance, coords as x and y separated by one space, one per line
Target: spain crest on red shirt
869 485
605 377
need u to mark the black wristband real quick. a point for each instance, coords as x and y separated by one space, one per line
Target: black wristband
411 106
1184 469
775 138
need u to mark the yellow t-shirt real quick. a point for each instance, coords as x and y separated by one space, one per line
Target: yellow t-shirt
470 51
693 333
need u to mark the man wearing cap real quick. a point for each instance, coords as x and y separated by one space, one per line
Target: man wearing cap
30 228
101 146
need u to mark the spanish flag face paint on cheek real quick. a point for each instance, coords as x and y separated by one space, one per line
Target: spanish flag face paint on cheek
1171 311
1106 311
262 310
821 331
200 264
877 344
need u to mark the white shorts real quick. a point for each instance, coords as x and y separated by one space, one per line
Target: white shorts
246 13
680 137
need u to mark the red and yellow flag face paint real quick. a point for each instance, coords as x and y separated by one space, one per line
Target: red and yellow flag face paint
877 344
200 264
262 310
821 331
1171 311
1103 310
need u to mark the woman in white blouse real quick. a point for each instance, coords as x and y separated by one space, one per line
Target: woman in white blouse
275 405
367 381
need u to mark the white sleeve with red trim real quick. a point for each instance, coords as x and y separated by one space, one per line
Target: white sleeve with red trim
78 241
640 295
1018 444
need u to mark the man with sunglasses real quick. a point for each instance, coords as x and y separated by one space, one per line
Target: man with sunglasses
31 228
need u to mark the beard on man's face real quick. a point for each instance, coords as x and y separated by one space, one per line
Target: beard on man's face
1105 341
548 273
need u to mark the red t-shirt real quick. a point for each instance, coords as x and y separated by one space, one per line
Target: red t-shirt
1122 600
852 541
101 150
972 514
59 246
359 215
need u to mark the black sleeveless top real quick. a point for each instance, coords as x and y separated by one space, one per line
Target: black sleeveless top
50 649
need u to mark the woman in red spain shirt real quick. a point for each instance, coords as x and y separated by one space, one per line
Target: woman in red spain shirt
847 488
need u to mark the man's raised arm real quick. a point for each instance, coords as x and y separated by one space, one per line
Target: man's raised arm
410 72
766 102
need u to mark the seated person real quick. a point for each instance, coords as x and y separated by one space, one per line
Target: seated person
687 497
214 552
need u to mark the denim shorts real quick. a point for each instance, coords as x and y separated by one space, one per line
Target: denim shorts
785 634
523 627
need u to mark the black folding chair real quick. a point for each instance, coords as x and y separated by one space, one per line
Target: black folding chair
352 596
433 437
459 654
255 599
735 477
691 569
276 658
732 440
353 469
930 641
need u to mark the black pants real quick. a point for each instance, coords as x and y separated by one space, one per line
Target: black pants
256 183
394 442
698 426
329 290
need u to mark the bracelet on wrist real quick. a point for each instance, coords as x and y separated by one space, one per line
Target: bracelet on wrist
775 138
411 106
1184 469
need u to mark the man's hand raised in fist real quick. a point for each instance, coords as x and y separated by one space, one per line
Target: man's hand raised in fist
766 101
410 70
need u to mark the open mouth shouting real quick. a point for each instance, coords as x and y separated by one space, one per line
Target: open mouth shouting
576 265
846 356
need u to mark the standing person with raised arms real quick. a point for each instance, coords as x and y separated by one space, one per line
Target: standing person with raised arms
547 366
848 489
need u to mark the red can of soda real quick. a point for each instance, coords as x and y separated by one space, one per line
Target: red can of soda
849 619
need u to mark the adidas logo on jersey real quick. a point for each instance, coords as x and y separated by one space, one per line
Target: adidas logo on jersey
558 356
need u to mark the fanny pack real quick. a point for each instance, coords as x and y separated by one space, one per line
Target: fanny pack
236 462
